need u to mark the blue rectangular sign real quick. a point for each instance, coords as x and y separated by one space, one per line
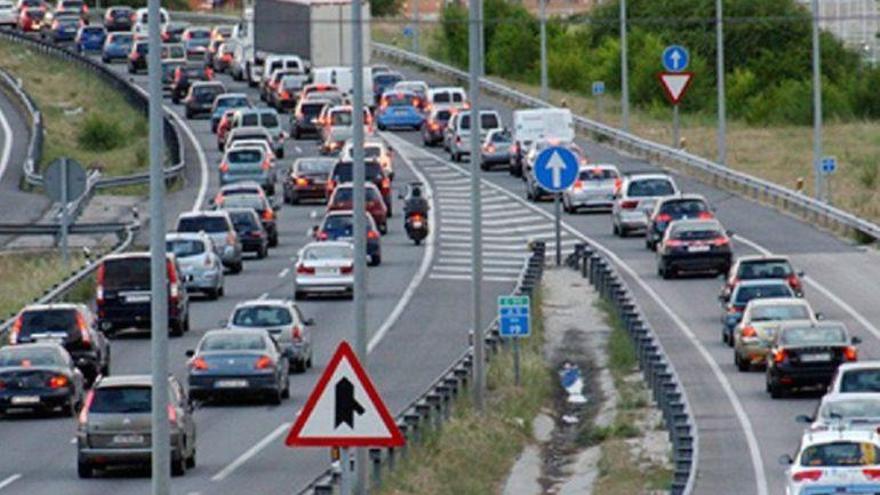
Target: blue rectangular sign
513 316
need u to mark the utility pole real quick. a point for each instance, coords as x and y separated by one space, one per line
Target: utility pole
417 29
545 94
481 36
159 428
359 207
476 205
624 70
817 107
719 62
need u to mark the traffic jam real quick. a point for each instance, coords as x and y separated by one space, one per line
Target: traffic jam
58 355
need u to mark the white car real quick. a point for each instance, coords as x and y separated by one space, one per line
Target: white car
324 268
140 20
862 376
8 14
339 127
859 411
460 140
593 189
198 260
834 461
284 322
762 318
636 198
374 149
448 96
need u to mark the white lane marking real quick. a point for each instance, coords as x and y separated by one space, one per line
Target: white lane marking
7 144
284 273
454 220
459 252
821 288
73 440
251 452
297 149
505 213
467 261
443 276
738 409
486 269
10 480
264 295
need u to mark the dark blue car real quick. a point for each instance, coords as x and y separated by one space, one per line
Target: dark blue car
339 226
90 39
117 46
383 82
64 28
39 378
400 109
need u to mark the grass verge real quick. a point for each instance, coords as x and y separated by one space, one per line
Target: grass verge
484 446
83 117
31 273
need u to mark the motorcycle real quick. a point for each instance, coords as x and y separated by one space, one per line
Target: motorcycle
416 226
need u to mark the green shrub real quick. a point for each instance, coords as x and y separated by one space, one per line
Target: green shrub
99 133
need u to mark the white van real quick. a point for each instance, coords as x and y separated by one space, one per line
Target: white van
140 20
448 96
341 77
538 124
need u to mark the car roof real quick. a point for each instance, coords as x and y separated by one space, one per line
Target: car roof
761 257
685 197
859 365
195 236
693 223
819 437
786 325
123 380
835 396
773 301
318 244
233 331
250 129
647 176
39 345
50 306
349 185
203 213
761 282
594 166
264 302
233 95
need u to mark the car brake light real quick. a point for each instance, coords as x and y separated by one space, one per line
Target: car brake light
16 329
617 185
266 165
58 381
198 363
263 362
779 356
296 333
323 236
794 281
302 181
172 414
721 241
809 475
674 243
705 215
87 404
732 310
578 184
663 217
268 214
850 353
224 167
331 185
99 289
346 269
749 332
871 473
83 329
490 148
629 204
372 235
386 184
305 270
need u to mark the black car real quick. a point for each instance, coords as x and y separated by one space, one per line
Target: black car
70 325
184 76
169 68
342 173
118 18
172 32
137 58
254 238
435 124
307 179
122 294
260 204
200 97
39 378
668 210
303 123
339 226
694 246
807 354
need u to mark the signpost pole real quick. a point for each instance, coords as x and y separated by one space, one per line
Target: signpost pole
416 40
543 19
345 472
624 70
817 106
600 106
719 62
65 220
675 127
476 206
516 361
558 214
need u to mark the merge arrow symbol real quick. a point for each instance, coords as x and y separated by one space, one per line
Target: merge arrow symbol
346 404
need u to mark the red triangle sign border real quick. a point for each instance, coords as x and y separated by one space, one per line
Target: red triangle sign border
344 351
675 100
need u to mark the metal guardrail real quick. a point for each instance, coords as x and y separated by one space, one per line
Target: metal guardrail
135 96
434 406
759 189
657 369
24 100
54 229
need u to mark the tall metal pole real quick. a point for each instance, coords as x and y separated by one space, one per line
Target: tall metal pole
417 31
65 218
476 206
556 200
676 127
161 459
360 228
719 62
481 36
543 19
624 70
817 106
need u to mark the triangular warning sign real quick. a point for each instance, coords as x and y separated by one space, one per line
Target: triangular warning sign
344 409
675 84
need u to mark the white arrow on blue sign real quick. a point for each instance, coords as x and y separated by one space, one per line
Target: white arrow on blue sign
556 168
829 164
598 88
675 58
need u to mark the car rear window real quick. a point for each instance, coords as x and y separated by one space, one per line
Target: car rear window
206 223
232 102
842 453
851 409
328 253
682 207
317 166
121 39
346 194
443 115
746 294
752 270
244 201
338 223
386 79
311 110
48 321
121 400
341 117
780 312
268 120
244 220
185 247
250 119
206 94
295 82
199 34
343 172
866 380
400 100
695 234
261 316
245 156
233 342
814 336
26 357
650 187
597 174
127 273
93 30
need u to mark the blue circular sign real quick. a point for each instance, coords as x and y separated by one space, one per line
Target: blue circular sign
556 168
675 58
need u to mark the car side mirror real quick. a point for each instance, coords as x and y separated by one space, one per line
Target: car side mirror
190 353
786 460
313 232
730 233
803 418
856 340
801 274
820 316
189 278
722 298
309 322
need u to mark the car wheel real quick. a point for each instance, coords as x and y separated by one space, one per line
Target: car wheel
299 295
213 294
614 229
484 166
275 397
236 268
84 469
262 252
624 232
383 228
776 391
667 273
285 392
273 240
221 291
71 408
191 460
178 466
188 113
741 364
376 260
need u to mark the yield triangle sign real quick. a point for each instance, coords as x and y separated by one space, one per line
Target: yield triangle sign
675 84
344 409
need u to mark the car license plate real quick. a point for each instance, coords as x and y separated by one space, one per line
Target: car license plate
128 439
137 298
230 384
698 249
816 358
417 224
327 271
21 400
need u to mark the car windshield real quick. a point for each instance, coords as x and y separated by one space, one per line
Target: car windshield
27 357
814 336
328 253
127 273
841 453
248 155
232 102
684 207
753 270
121 400
339 224
865 380
43 321
744 294
650 187
262 316
314 167
850 409
206 94
695 234
780 312
208 224
244 220
597 174
233 342
269 120
400 100
341 117
252 201
185 247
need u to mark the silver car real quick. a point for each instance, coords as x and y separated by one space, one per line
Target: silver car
248 163
220 229
460 139
496 149
637 195
324 268
264 117
594 188
284 322
338 128
199 262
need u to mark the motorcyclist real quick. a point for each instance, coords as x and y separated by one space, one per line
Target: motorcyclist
415 202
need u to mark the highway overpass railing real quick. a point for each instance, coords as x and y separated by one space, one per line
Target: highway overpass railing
817 212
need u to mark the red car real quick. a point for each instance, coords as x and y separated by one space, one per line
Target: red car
31 19
342 199
223 127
